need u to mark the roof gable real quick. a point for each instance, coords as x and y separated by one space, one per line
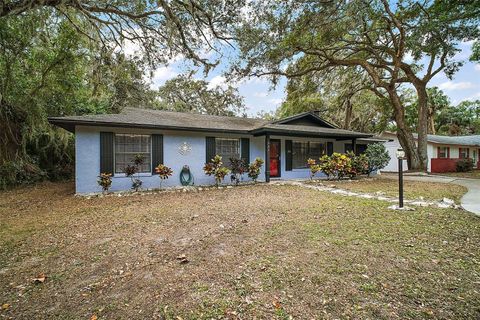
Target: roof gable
306 119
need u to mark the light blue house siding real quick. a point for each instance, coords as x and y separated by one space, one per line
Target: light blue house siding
87 166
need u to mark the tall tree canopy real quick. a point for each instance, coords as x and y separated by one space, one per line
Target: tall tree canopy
393 43
62 57
186 94
342 95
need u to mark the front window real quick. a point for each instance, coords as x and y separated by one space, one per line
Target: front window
443 152
129 145
227 148
303 150
463 152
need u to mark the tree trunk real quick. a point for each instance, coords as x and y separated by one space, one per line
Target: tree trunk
431 128
422 126
404 134
348 115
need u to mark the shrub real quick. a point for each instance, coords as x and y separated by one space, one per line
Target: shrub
105 181
238 168
254 169
464 165
214 168
131 170
335 166
377 157
359 164
314 167
163 172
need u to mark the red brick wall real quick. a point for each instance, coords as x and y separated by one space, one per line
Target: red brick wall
443 165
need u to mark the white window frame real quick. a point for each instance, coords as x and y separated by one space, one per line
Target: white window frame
142 173
445 150
226 161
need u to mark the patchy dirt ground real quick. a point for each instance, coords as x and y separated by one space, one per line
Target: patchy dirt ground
475 174
412 189
265 252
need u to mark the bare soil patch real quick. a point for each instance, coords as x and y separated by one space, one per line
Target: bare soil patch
265 252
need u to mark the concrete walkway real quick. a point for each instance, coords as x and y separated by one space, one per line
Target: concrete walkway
470 201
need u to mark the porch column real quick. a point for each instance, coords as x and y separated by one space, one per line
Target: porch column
354 145
267 158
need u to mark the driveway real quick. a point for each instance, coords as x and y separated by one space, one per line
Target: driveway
470 201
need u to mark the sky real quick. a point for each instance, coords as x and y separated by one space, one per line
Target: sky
259 95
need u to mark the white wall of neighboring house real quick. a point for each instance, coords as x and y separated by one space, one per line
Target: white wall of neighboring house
393 145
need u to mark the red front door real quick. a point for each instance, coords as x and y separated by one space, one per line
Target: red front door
275 158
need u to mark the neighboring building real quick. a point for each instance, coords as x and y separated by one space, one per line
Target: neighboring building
107 143
443 151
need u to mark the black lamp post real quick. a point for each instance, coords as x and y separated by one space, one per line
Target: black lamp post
400 156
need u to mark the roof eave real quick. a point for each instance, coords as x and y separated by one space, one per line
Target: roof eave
296 133
70 124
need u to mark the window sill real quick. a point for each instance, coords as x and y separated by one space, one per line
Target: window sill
140 175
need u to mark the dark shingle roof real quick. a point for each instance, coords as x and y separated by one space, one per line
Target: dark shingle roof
148 118
159 119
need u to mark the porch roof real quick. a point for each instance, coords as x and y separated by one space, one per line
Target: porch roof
308 131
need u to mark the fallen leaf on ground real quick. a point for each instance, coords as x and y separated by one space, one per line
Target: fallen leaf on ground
5 306
182 259
93 317
40 278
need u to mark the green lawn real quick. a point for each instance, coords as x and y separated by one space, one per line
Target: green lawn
264 252
412 189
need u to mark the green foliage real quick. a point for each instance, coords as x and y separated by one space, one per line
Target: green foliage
215 168
254 169
464 165
335 166
105 181
359 164
377 157
186 94
238 167
49 69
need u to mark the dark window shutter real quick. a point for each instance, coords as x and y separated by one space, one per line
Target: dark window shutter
438 152
106 152
157 151
245 149
448 151
329 148
288 155
210 149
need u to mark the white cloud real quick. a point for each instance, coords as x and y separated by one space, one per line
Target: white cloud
161 75
450 85
477 67
217 81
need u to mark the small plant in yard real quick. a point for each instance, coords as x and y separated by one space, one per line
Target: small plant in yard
215 168
131 170
254 169
163 172
314 167
335 166
105 181
359 164
464 165
238 168
377 157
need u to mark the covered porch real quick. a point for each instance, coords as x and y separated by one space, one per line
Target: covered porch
287 147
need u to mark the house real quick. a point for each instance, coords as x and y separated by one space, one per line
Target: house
443 151
106 144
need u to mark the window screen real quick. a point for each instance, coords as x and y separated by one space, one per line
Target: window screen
129 145
303 150
227 148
